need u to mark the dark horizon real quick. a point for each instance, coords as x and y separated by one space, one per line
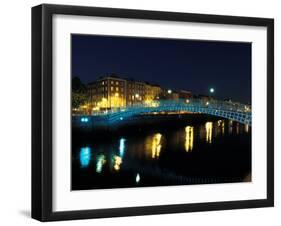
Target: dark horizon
171 63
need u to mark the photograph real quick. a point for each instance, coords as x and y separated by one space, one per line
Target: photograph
150 111
140 112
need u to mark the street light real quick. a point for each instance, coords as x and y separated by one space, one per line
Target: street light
212 90
169 91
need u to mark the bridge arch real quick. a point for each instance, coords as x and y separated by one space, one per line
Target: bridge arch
233 111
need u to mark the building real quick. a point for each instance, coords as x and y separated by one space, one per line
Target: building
135 92
168 94
184 94
152 92
107 92
112 91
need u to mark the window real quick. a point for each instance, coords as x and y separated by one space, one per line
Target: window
111 88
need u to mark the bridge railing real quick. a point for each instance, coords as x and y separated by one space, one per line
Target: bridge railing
193 102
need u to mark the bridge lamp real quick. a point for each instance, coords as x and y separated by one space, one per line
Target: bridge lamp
212 90
137 95
84 119
169 91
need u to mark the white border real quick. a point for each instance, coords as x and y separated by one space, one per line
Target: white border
64 199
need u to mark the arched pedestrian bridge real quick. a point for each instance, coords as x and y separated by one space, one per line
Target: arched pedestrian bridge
230 110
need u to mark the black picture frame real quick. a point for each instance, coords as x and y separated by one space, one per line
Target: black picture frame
42 111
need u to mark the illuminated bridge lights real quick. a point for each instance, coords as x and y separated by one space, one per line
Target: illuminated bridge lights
233 111
84 119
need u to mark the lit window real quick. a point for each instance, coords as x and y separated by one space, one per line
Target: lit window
116 83
117 89
111 88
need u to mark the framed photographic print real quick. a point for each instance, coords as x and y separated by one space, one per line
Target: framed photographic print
144 112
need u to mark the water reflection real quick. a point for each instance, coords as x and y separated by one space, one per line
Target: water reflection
133 159
85 156
209 129
230 127
246 128
220 128
100 163
156 145
237 128
122 147
153 145
189 136
117 161
138 178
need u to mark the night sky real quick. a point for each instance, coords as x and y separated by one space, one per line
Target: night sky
172 63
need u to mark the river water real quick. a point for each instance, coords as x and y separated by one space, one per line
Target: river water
209 151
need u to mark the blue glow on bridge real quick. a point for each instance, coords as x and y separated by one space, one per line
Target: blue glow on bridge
84 119
230 110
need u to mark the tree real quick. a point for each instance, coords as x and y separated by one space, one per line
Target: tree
79 93
77 85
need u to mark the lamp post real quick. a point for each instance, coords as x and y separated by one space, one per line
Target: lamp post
212 90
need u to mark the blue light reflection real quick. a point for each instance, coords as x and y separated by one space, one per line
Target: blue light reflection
122 147
85 156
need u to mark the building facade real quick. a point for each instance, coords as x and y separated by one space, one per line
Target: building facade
107 92
152 92
184 94
114 92
135 92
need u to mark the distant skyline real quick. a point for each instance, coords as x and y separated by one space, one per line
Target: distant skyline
172 63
